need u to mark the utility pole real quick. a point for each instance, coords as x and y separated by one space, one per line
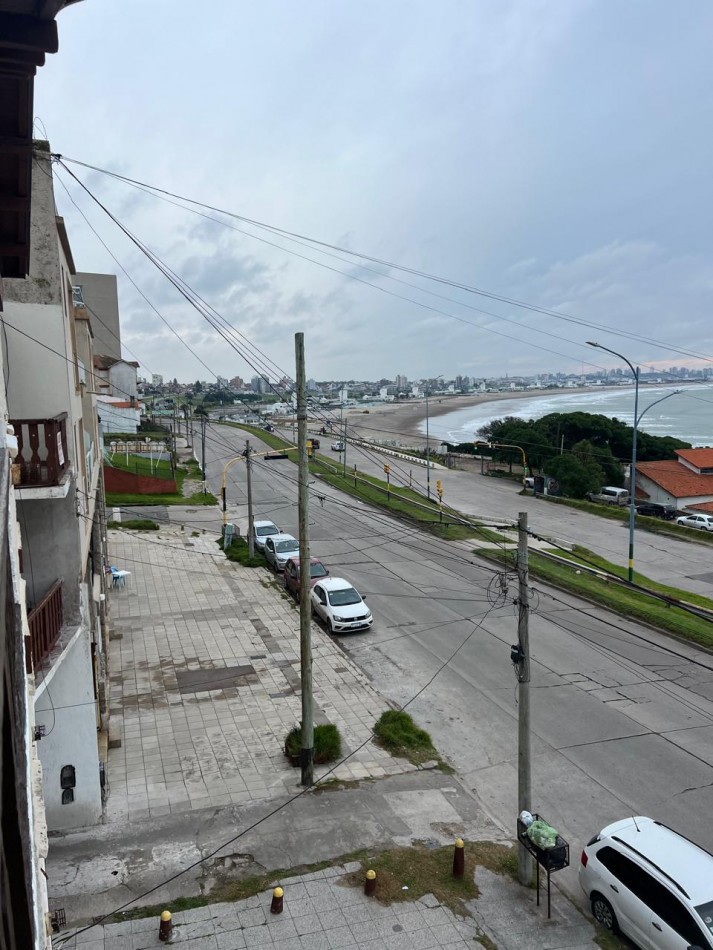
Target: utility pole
251 518
344 454
307 750
524 777
204 423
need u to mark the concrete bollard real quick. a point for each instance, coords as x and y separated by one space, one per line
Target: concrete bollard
370 883
165 927
459 858
277 901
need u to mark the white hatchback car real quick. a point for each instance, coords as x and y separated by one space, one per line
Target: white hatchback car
650 883
704 522
340 606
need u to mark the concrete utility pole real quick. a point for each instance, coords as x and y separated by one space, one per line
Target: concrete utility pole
251 517
204 423
307 751
524 776
344 454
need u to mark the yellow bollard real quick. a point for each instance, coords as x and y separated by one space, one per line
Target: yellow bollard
277 900
459 858
370 883
165 927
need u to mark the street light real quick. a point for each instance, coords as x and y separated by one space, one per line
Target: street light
632 471
428 445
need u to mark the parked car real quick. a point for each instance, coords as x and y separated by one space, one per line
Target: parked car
262 530
268 427
292 574
704 522
609 495
340 606
528 482
337 446
653 510
279 549
650 883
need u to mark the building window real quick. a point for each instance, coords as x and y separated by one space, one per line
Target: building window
68 796
68 777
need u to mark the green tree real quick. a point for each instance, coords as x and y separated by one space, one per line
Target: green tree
575 478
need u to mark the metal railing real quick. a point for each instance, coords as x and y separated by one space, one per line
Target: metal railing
45 622
42 450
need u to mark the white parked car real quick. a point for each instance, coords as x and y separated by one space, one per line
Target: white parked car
262 530
279 548
340 606
704 522
338 446
651 884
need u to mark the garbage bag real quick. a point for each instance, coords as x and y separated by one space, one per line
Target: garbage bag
542 835
526 818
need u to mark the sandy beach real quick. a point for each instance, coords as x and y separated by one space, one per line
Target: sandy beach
400 421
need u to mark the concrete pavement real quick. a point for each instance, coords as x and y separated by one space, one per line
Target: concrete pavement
199 781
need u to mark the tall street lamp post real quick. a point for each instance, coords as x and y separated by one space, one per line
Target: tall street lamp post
428 444
632 471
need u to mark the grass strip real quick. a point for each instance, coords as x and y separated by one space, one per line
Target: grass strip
138 465
123 500
134 524
240 553
628 603
396 732
419 869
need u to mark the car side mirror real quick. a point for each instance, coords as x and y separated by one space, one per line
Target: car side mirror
363 596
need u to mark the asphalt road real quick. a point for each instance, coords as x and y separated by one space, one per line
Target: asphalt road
622 717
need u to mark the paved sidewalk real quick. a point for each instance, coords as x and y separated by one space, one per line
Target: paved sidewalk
322 912
205 683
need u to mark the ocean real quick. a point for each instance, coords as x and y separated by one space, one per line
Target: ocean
687 416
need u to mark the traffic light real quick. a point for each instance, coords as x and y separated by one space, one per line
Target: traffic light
439 488
387 469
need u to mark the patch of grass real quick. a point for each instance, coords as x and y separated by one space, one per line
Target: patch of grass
396 732
607 940
425 870
327 743
628 603
486 942
239 552
134 524
269 438
123 499
195 534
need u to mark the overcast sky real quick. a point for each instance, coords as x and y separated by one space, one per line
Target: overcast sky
556 152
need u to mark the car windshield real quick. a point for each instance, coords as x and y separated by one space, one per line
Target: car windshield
317 570
265 529
286 546
340 598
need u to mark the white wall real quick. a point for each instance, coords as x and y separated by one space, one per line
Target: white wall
65 705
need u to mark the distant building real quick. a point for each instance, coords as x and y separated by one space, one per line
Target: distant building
401 382
100 296
157 379
237 382
312 386
222 382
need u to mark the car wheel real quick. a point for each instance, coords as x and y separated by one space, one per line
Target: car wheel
603 913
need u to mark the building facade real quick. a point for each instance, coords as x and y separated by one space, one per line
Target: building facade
52 407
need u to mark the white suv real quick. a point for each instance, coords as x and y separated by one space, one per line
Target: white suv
650 883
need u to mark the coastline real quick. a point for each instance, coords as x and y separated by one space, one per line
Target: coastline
401 421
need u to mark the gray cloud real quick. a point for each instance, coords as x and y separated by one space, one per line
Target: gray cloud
554 152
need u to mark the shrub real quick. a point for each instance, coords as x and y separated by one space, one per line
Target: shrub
398 733
134 524
327 744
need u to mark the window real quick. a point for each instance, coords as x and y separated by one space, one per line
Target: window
67 796
68 778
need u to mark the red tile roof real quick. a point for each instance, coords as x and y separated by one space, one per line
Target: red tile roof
676 479
706 508
701 458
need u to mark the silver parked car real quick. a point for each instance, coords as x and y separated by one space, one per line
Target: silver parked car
279 548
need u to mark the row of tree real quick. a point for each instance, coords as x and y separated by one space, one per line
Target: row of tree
583 451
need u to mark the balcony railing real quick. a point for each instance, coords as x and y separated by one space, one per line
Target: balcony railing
42 450
45 622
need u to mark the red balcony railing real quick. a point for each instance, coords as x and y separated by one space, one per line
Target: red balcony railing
42 450
46 623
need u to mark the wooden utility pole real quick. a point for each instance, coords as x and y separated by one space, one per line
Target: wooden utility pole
524 776
307 751
344 456
251 517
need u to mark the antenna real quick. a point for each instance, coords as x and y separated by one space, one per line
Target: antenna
635 825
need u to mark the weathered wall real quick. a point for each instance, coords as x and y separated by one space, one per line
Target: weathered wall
70 719
102 301
51 548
